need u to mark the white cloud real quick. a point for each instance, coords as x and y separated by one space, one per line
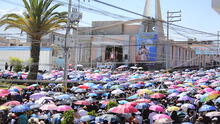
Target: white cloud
7 11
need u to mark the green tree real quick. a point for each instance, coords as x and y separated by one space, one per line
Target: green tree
38 20
111 104
68 117
16 63
93 113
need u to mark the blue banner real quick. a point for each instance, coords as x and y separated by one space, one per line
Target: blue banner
146 49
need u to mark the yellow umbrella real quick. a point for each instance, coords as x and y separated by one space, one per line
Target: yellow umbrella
2 107
173 108
190 84
204 86
143 91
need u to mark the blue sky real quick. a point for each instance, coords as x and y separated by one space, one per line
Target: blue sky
196 14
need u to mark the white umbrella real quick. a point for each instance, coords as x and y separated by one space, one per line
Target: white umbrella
117 92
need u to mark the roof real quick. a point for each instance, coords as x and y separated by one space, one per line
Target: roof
21 48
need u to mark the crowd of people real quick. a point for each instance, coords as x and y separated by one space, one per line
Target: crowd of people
115 97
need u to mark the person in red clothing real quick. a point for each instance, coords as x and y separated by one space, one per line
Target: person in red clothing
133 119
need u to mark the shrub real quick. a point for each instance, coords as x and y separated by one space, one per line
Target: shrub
111 104
68 117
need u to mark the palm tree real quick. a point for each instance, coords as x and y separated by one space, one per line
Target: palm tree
39 19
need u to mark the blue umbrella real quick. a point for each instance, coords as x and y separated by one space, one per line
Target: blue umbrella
149 84
122 102
135 86
107 86
172 91
13 90
35 106
217 88
90 84
74 88
105 94
205 108
92 94
133 97
64 96
20 108
87 118
29 104
52 84
217 100
97 87
80 90
142 106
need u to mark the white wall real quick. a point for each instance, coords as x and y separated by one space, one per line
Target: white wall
45 57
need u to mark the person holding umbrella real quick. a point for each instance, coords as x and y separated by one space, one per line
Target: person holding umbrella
22 118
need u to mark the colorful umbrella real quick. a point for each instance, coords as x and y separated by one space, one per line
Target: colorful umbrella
142 106
184 98
213 114
187 106
35 106
83 87
122 102
157 96
20 108
87 118
209 96
156 108
2 107
4 92
163 121
205 108
48 107
122 109
145 91
172 95
142 101
135 96
12 103
173 108
159 116
62 97
37 96
64 108
117 92
82 103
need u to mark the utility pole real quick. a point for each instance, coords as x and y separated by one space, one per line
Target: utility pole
65 43
170 19
73 18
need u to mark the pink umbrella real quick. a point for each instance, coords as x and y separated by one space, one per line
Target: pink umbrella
159 116
181 89
157 95
131 103
64 108
172 95
142 101
4 92
208 90
124 109
48 107
156 108
82 103
12 103
173 87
